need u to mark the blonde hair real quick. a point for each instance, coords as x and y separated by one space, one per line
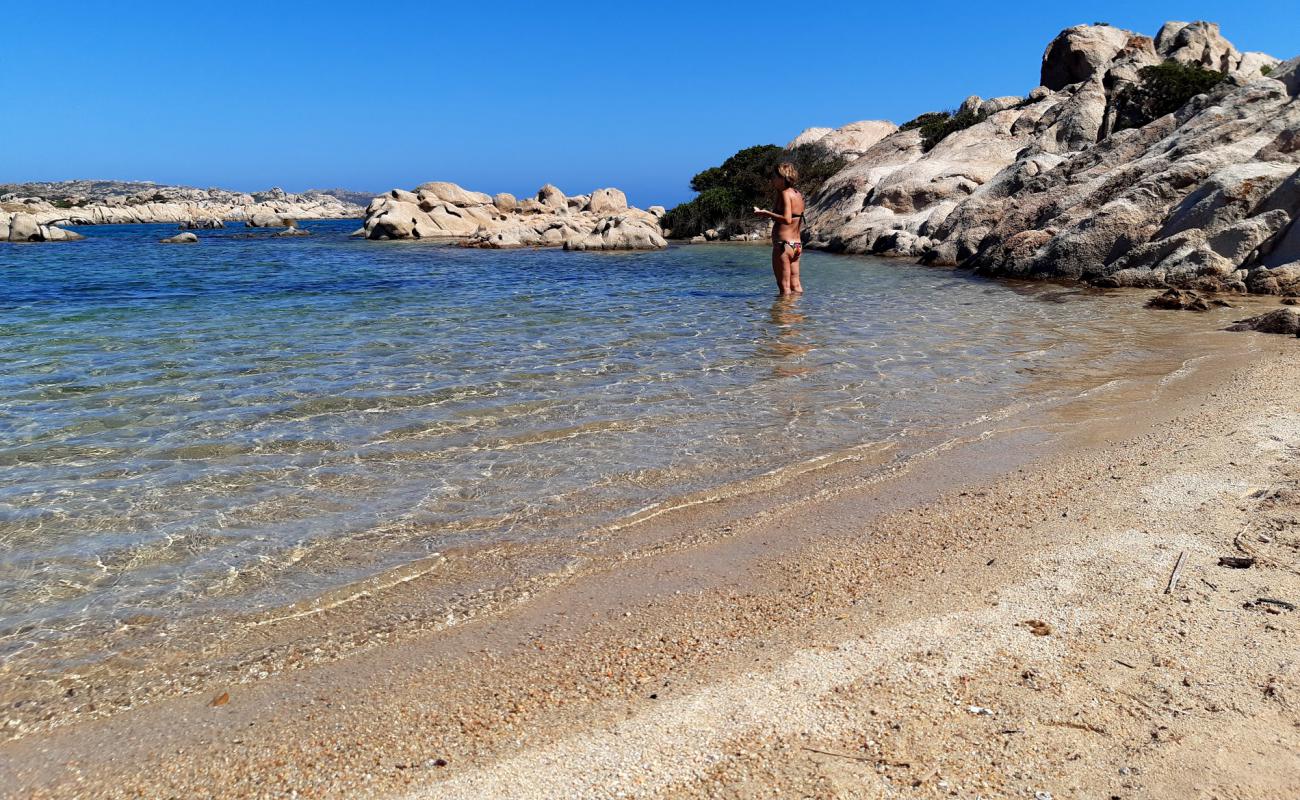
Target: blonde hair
787 172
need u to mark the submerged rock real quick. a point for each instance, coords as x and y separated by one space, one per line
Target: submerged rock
181 238
206 223
1179 300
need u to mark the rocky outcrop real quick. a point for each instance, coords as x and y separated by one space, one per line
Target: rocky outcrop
1043 186
116 202
848 142
21 228
601 220
180 238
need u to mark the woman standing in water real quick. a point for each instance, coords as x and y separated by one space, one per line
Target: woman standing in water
787 244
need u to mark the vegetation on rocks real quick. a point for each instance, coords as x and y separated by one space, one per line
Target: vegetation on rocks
727 193
935 126
1163 89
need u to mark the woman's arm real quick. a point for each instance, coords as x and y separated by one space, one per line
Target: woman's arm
785 217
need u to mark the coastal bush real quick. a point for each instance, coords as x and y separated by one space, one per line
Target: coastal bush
935 126
1162 89
1266 70
815 167
728 192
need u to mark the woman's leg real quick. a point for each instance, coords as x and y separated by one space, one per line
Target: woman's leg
781 269
795 285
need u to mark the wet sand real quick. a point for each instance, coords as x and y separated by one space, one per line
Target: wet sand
989 619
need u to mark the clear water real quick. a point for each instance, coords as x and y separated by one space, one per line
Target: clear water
249 421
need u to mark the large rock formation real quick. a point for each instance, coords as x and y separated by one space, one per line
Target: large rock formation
119 202
439 210
849 142
21 227
1043 186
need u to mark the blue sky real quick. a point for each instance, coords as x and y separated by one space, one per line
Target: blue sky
505 96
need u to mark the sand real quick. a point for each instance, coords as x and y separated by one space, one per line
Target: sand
989 621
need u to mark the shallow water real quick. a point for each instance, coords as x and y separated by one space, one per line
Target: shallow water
250 421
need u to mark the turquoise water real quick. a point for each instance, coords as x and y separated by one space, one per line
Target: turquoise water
249 421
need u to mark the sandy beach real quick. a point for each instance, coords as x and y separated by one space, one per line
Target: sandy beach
998 617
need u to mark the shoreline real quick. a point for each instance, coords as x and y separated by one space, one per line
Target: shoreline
152 658
678 571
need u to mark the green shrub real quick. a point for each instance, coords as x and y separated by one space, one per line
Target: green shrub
815 167
728 193
935 126
1162 89
1266 70
928 118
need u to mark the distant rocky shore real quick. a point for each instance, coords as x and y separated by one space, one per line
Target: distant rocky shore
601 220
1063 183
35 211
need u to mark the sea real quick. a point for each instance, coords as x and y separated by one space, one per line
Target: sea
247 422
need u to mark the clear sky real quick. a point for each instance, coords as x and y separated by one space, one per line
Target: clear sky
504 96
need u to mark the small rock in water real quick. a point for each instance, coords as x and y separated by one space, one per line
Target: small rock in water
181 238
1285 321
1179 300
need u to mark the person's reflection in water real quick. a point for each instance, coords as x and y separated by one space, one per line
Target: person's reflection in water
786 343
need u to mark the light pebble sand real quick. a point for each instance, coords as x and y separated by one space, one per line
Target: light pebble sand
841 639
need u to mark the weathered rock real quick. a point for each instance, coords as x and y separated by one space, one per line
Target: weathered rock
50 233
1200 43
262 219
1285 321
292 230
552 198
1205 198
606 201
1179 300
658 211
454 195
1080 53
24 228
397 219
848 142
622 232
181 238
601 220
